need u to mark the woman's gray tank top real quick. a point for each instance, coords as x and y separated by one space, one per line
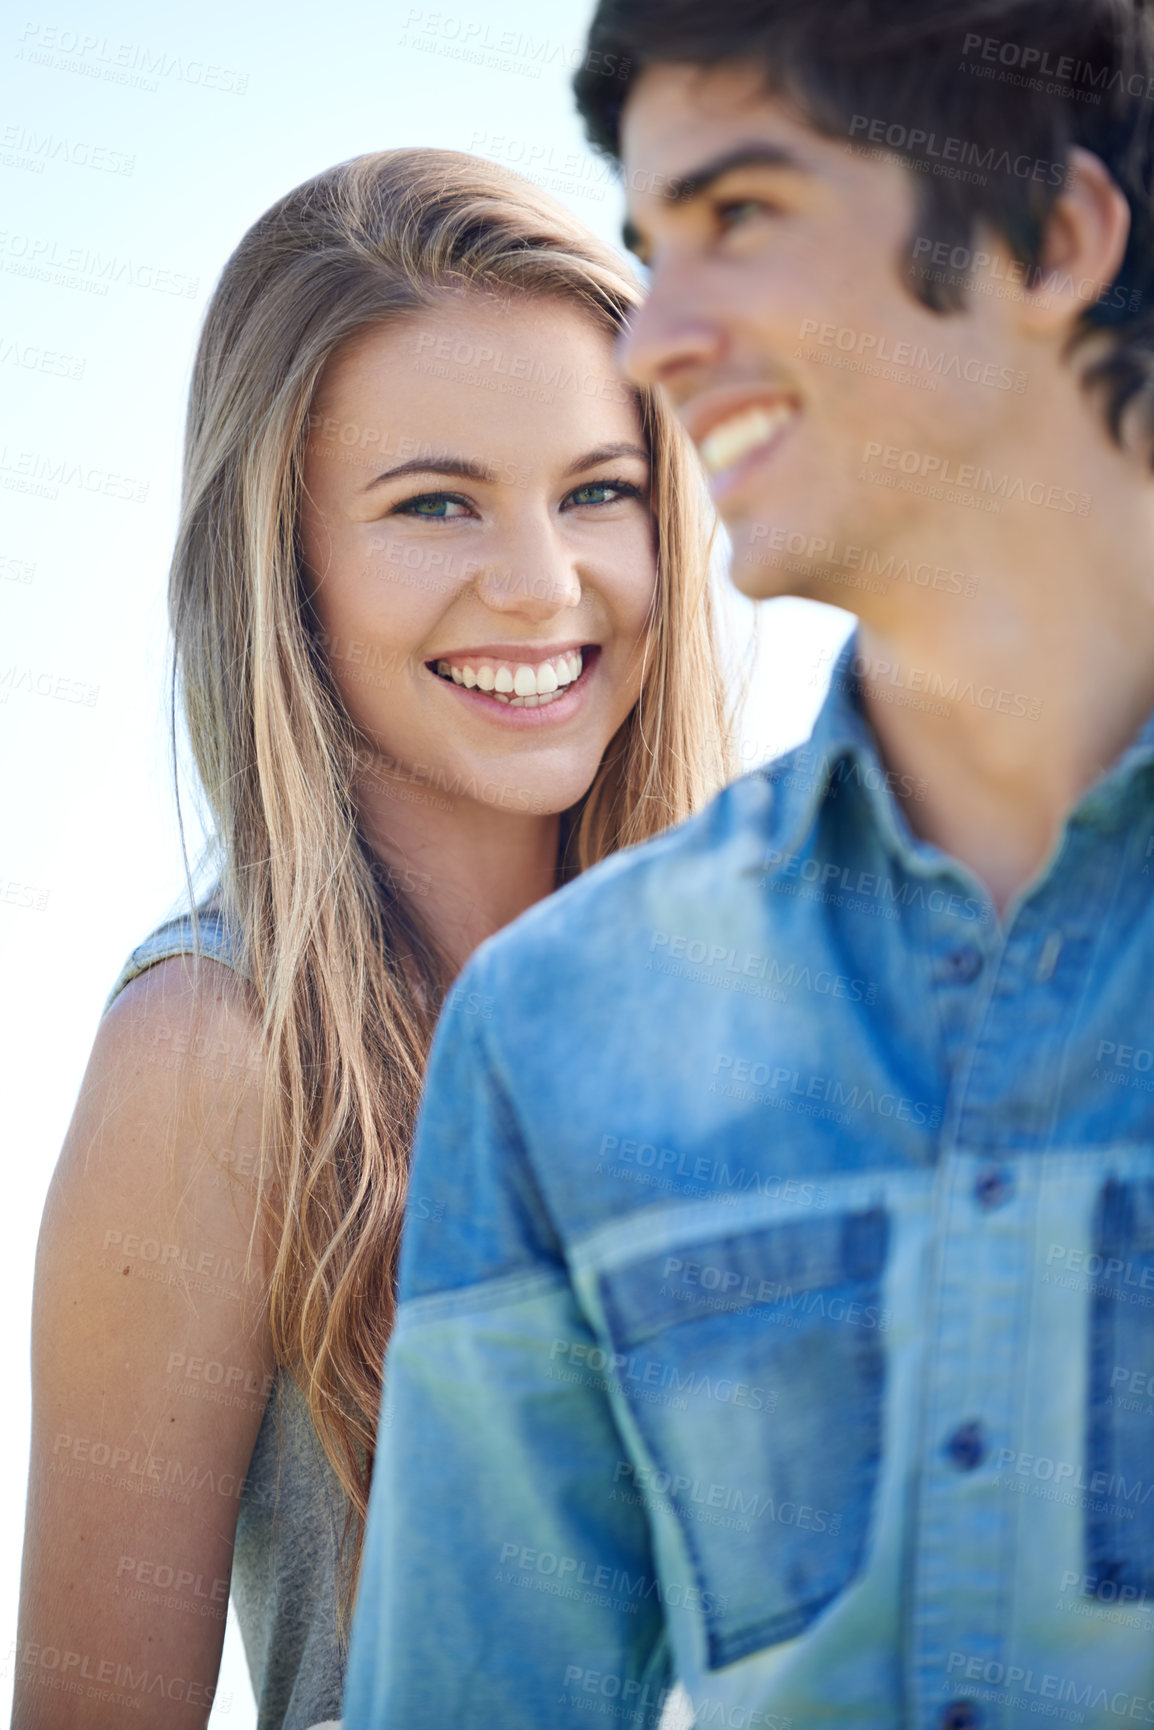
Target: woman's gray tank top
292 1509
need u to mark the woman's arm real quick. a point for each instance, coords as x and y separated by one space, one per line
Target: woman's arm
151 1364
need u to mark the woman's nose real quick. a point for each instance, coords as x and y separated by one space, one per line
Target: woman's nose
537 581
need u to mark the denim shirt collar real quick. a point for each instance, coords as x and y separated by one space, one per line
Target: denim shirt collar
843 745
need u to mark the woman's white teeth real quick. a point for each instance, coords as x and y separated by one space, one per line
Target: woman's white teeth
741 433
519 683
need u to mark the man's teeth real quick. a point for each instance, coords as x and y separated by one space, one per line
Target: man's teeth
516 683
741 433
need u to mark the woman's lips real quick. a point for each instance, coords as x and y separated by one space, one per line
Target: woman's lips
531 708
511 679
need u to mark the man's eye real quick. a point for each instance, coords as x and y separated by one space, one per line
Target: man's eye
739 210
440 506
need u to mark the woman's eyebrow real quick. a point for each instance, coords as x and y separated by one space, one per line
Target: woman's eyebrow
471 469
606 454
461 468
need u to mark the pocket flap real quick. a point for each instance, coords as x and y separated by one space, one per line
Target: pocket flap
743 1271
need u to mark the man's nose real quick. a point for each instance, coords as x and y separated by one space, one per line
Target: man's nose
672 333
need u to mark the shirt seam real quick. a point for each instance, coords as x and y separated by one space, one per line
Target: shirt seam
483 1295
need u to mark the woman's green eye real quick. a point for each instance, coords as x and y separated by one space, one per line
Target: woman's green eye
610 492
438 506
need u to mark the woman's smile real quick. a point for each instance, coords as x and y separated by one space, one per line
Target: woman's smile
511 684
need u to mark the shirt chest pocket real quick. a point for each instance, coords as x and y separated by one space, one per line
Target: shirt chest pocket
754 1367
1120 1430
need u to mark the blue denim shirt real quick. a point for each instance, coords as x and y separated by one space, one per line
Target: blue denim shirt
778 1285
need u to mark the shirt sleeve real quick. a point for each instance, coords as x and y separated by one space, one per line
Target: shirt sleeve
507 1582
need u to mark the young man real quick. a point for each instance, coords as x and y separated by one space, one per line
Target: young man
778 1312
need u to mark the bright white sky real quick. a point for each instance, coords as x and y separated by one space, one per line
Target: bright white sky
149 139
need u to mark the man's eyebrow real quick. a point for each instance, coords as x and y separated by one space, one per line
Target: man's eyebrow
461 468
682 188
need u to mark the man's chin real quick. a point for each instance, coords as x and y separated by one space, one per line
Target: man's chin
756 569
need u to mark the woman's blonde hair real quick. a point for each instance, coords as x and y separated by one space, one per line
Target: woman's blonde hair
346 978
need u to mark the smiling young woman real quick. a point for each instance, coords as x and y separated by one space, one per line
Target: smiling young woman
443 639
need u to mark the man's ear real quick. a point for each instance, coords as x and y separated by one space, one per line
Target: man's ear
1083 247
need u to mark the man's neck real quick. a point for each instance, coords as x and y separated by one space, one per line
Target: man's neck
1009 703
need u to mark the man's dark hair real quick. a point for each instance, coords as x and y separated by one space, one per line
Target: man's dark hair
1005 87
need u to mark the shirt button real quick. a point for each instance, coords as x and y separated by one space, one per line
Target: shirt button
966 1448
963 964
960 1715
993 1186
